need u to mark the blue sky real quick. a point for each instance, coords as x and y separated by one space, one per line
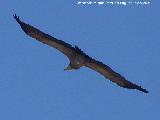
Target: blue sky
33 85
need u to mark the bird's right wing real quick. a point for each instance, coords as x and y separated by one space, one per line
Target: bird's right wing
33 32
115 77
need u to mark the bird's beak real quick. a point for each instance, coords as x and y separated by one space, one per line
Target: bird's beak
68 68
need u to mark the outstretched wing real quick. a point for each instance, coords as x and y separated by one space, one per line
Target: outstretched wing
115 77
33 32
68 50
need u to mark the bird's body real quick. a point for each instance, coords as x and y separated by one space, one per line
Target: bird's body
77 57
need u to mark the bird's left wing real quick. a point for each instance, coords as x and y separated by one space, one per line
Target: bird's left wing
33 32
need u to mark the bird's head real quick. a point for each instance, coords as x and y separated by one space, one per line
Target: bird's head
71 67
68 68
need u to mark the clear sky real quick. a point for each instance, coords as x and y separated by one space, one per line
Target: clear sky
33 84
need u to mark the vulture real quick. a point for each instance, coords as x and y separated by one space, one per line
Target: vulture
77 57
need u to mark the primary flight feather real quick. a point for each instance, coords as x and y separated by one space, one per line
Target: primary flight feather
77 57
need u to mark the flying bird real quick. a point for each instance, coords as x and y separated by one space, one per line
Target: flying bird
77 57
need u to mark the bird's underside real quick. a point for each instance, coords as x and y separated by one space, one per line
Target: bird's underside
77 57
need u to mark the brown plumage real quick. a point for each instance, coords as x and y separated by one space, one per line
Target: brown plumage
77 57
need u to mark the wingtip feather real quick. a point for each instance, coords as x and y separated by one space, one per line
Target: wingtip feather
16 18
142 89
